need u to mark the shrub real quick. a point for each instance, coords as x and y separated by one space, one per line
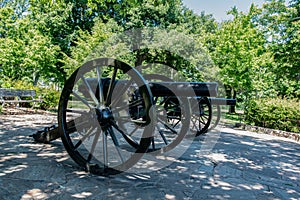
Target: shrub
50 98
275 113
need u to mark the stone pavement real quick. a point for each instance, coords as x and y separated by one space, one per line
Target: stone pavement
240 165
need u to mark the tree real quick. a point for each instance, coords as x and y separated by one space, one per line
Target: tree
20 7
7 22
155 20
88 42
241 55
276 20
25 53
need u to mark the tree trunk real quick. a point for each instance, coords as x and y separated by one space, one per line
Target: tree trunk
36 77
230 94
232 107
139 58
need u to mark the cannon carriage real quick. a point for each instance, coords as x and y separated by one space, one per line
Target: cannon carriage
110 115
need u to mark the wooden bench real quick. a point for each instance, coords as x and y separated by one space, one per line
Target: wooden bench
18 96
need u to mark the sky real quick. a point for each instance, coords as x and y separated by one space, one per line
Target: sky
219 7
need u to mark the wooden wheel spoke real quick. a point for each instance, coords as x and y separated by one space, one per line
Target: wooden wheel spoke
90 91
167 126
162 135
116 143
116 101
202 121
153 143
77 111
126 136
163 101
84 101
204 117
135 103
111 87
104 148
95 141
174 125
138 102
100 86
88 134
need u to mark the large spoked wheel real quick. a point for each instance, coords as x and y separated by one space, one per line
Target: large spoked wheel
173 118
94 116
201 115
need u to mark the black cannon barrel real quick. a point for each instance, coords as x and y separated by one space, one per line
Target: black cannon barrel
186 89
223 101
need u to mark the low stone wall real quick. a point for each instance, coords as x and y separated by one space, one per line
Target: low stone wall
285 134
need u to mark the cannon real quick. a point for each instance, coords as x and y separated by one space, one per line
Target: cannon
109 115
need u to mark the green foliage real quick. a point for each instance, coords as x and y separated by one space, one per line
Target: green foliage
19 6
241 55
275 113
17 84
7 21
50 98
25 52
87 42
28 57
141 46
276 20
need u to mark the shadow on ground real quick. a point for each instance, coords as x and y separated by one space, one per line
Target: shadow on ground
241 165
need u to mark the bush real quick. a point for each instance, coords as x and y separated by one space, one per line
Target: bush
50 98
276 113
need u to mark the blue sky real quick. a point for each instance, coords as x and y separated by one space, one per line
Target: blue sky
219 7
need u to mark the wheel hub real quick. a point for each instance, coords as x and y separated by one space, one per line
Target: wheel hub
104 115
